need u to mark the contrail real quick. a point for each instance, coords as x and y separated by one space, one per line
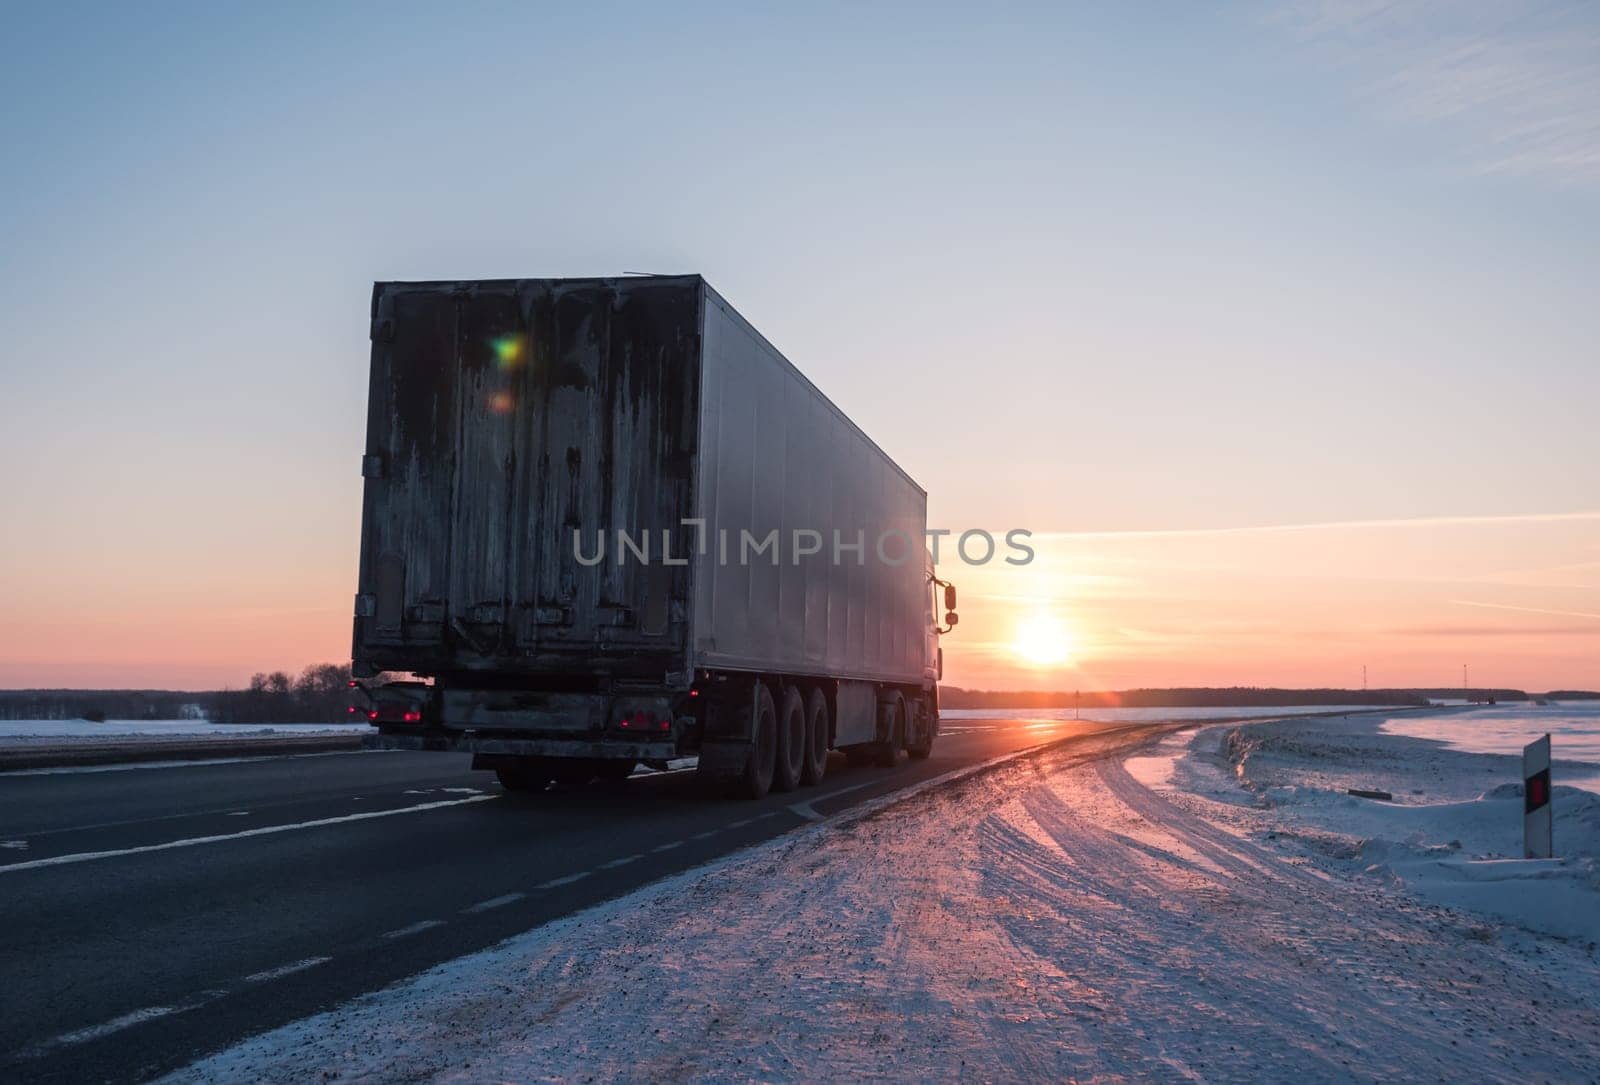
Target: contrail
1421 521
1528 610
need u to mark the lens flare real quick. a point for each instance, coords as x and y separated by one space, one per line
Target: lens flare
502 403
509 350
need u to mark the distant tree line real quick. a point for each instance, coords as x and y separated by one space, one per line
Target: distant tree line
1206 697
321 694
100 704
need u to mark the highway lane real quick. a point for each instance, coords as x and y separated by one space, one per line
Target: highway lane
153 915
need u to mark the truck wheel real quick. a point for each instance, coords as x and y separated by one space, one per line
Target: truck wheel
613 771
791 741
527 776
756 780
887 752
573 771
923 745
816 765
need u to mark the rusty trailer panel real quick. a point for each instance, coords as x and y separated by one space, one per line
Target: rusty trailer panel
507 417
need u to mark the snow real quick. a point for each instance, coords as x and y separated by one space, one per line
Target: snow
1139 715
1505 729
53 732
1452 835
1207 910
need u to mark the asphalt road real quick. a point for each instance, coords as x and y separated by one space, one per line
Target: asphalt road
152 915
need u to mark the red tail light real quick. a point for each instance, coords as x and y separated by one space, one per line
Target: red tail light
373 715
413 717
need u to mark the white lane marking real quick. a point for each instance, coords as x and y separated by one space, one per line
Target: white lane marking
707 835
285 970
809 812
238 813
265 830
14 845
624 861
415 928
116 1024
127 1020
492 903
667 846
740 824
556 883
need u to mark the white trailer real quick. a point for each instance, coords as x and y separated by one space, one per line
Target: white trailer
607 522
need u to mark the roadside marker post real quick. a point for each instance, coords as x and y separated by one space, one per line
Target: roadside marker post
1536 843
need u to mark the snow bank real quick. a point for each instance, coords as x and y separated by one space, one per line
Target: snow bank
62 732
1452 834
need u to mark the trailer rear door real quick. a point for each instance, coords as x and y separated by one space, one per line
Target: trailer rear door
505 417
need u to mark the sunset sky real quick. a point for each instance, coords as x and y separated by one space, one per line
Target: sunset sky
1276 323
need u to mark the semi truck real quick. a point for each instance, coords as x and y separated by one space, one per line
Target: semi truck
606 523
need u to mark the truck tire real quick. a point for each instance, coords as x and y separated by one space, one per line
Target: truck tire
756 779
572 772
791 764
613 771
862 756
887 752
817 721
528 775
920 747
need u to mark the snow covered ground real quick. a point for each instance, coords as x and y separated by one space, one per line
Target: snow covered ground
1063 916
1574 728
1138 715
1451 835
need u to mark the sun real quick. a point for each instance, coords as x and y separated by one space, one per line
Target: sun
1041 641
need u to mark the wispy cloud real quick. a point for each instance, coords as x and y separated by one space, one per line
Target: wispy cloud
1526 610
1515 83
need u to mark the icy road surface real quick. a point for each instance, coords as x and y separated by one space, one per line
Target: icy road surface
1055 919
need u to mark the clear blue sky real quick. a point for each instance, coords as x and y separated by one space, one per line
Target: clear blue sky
1124 267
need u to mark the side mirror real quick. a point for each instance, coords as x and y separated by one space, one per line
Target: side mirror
949 597
951 617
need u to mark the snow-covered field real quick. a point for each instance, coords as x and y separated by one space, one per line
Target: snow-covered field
1504 729
1451 835
1061 917
1138 715
63 732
